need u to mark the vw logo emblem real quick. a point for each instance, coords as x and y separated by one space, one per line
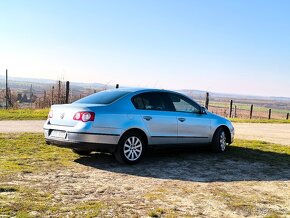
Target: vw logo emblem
62 116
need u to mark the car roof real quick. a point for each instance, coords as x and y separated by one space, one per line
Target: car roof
134 90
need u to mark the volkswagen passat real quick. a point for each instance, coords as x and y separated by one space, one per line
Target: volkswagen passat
125 122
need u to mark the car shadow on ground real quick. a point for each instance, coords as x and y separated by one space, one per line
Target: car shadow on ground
200 165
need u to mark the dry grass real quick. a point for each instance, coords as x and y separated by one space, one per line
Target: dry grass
36 180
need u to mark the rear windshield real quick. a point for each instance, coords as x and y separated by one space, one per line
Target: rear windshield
103 97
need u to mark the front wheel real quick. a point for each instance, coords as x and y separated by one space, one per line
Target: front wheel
219 141
130 148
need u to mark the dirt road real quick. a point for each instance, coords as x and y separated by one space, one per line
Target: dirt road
276 133
10 126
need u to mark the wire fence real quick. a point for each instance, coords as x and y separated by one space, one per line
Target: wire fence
246 111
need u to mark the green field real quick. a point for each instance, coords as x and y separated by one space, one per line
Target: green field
24 114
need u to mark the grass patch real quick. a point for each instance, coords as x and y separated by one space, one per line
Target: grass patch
27 153
34 203
24 114
277 156
239 120
158 212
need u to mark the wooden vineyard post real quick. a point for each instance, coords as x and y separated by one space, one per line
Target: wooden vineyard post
6 95
59 90
251 111
66 92
269 116
52 93
206 100
44 98
235 115
231 108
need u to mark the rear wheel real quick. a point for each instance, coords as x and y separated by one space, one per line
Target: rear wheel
219 141
130 148
82 152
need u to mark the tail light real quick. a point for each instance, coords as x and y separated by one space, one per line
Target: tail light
84 116
50 114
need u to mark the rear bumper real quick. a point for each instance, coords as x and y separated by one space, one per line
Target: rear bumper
82 146
84 141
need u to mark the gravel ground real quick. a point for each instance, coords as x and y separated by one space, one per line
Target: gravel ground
182 184
275 133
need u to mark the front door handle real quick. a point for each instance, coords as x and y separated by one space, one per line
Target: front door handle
181 119
147 118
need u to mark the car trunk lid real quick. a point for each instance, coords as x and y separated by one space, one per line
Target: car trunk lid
63 114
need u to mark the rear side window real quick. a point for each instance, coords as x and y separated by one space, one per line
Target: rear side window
151 101
103 97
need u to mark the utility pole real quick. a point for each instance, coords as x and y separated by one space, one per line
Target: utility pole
6 90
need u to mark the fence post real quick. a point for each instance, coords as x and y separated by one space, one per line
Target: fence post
30 98
117 86
269 116
6 90
287 116
52 92
251 111
66 92
231 108
58 94
44 98
206 100
235 111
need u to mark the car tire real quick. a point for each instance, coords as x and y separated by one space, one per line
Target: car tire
130 148
219 141
82 152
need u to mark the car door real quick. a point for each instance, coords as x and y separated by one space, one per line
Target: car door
157 116
193 127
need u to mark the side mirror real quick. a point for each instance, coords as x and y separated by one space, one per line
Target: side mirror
202 110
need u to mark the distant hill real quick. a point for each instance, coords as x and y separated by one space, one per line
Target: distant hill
41 84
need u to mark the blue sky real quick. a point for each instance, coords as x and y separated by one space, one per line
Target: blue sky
221 46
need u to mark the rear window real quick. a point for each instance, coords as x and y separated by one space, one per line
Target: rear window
103 97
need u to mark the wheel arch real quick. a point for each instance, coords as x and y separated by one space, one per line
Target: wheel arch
138 130
227 131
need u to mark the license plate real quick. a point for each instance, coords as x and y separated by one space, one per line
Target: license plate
58 134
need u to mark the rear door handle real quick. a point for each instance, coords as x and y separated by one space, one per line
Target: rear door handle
181 119
147 118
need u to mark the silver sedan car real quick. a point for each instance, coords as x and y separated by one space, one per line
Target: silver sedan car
125 122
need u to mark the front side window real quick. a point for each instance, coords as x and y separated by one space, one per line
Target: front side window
183 104
151 101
